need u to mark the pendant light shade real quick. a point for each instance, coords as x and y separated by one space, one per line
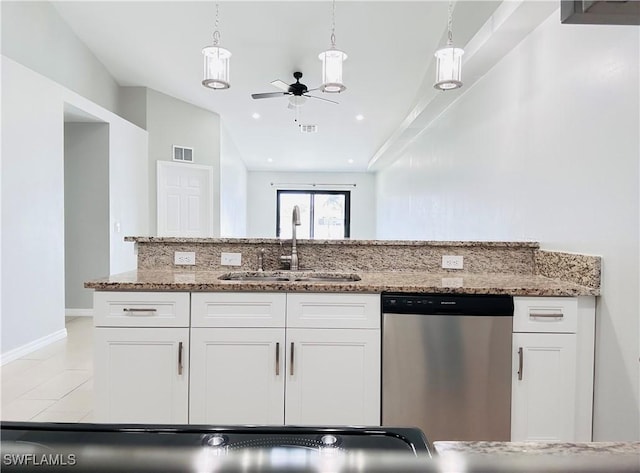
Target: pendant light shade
216 67
216 62
448 68
332 60
449 62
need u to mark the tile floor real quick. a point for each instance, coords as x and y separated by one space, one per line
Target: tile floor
55 383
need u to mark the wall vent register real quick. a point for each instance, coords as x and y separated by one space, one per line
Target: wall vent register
182 153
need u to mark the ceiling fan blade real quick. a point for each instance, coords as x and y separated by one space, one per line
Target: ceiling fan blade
280 85
321 98
269 95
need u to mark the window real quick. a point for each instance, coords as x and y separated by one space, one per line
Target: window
324 215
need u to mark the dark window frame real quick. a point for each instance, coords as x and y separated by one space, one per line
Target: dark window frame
312 193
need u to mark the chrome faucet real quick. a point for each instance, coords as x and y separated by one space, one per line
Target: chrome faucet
295 221
292 259
261 260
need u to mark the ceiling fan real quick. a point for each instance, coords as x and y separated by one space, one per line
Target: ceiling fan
297 92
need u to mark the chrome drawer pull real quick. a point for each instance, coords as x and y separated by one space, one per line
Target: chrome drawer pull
180 358
520 363
291 372
277 358
128 309
547 316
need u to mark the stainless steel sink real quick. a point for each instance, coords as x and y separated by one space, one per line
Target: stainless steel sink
290 276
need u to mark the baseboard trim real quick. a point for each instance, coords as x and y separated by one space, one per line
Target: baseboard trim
78 312
19 352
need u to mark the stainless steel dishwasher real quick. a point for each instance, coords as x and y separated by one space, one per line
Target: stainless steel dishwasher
446 364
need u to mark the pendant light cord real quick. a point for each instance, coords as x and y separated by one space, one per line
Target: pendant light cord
450 25
333 25
216 33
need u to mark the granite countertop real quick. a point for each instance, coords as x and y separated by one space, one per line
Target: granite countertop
537 448
538 457
370 282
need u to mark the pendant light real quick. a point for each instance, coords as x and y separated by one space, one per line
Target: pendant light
332 60
216 62
449 62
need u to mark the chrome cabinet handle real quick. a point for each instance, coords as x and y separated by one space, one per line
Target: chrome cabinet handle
520 363
277 358
180 347
547 316
291 370
133 309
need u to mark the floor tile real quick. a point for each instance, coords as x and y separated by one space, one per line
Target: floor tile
24 409
50 415
59 386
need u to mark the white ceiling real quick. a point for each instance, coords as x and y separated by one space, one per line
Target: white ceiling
390 46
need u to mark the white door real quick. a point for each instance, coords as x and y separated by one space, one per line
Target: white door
141 375
237 376
333 377
544 393
185 200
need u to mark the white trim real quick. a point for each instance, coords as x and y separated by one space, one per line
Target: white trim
78 312
30 347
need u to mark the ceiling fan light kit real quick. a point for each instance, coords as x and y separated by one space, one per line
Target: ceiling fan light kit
216 62
449 62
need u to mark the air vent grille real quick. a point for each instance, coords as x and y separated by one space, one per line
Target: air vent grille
308 128
182 153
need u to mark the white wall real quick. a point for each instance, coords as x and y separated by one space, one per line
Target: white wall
86 209
545 147
32 218
261 216
233 188
34 34
173 122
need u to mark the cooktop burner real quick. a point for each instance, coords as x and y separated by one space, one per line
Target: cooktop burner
163 445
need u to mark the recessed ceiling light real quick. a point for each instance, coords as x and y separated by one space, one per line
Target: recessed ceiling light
359 117
350 161
256 115
269 160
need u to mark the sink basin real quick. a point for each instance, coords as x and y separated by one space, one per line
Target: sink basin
289 276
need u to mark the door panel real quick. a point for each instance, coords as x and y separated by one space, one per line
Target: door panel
333 377
185 199
237 376
137 375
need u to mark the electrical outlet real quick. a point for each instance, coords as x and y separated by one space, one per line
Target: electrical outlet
452 262
231 259
184 258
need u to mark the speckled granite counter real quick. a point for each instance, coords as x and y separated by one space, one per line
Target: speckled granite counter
538 448
370 282
537 457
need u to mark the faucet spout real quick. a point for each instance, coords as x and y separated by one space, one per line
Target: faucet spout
295 221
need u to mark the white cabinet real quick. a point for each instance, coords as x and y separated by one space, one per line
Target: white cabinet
141 372
552 364
269 358
237 376
333 377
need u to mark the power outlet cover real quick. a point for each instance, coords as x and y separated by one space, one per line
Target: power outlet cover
184 258
231 259
452 262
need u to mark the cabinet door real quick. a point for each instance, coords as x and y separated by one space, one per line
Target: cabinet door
141 375
333 377
544 387
237 376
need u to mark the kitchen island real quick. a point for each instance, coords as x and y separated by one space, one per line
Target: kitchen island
231 337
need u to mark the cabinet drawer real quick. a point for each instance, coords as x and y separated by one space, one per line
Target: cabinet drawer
238 309
333 310
545 314
141 309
